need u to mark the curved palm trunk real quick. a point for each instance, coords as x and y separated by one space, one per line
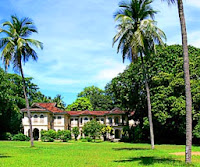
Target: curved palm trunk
27 105
148 105
188 97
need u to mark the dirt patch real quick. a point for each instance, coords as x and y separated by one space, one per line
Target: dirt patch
183 153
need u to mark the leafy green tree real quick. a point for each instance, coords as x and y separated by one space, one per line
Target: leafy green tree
90 91
80 104
12 100
106 130
188 97
76 132
16 48
98 98
167 94
93 129
39 97
137 36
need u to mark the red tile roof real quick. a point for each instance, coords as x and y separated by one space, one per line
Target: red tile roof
51 107
87 112
97 113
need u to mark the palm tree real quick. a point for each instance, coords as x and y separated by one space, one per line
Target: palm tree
138 36
188 96
16 49
59 101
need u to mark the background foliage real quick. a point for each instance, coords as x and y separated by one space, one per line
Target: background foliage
126 91
166 82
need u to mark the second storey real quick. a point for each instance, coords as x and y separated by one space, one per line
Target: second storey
48 116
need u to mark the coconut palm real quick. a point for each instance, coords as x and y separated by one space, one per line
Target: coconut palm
59 101
188 96
138 36
17 49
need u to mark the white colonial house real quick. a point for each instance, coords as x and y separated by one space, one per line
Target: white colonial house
47 116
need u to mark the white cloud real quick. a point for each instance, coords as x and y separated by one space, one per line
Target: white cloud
194 38
111 72
194 3
77 39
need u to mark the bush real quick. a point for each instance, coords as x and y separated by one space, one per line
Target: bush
125 139
93 129
48 136
86 139
76 132
64 135
6 136
20 137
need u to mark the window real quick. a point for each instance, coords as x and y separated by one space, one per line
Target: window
35 118
91 119
81 120
110 120
59 120
116 120
102 119
97 119
85 119
76 121
41 118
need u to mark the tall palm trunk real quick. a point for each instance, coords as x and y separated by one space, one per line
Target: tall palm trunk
148 104
188 97
27 105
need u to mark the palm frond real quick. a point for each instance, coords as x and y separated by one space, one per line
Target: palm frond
16 48
35 43
137 34
171 1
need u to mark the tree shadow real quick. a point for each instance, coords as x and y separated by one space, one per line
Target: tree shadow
4 156
150 160
130 148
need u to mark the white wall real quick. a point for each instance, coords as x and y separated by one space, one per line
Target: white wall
36 121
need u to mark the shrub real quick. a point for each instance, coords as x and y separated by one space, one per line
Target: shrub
64 135
48 136
20 137
93 129
76 132
6 136
86 139
106 130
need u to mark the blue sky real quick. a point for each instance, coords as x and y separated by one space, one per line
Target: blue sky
77 37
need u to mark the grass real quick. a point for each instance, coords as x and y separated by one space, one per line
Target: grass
78 154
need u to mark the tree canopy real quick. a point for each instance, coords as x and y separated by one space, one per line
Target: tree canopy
80 104
166 82
97 97
12 100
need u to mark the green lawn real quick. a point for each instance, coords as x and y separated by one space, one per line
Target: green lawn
76 154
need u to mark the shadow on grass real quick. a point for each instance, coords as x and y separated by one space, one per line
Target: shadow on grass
4 156
130 148
150 160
